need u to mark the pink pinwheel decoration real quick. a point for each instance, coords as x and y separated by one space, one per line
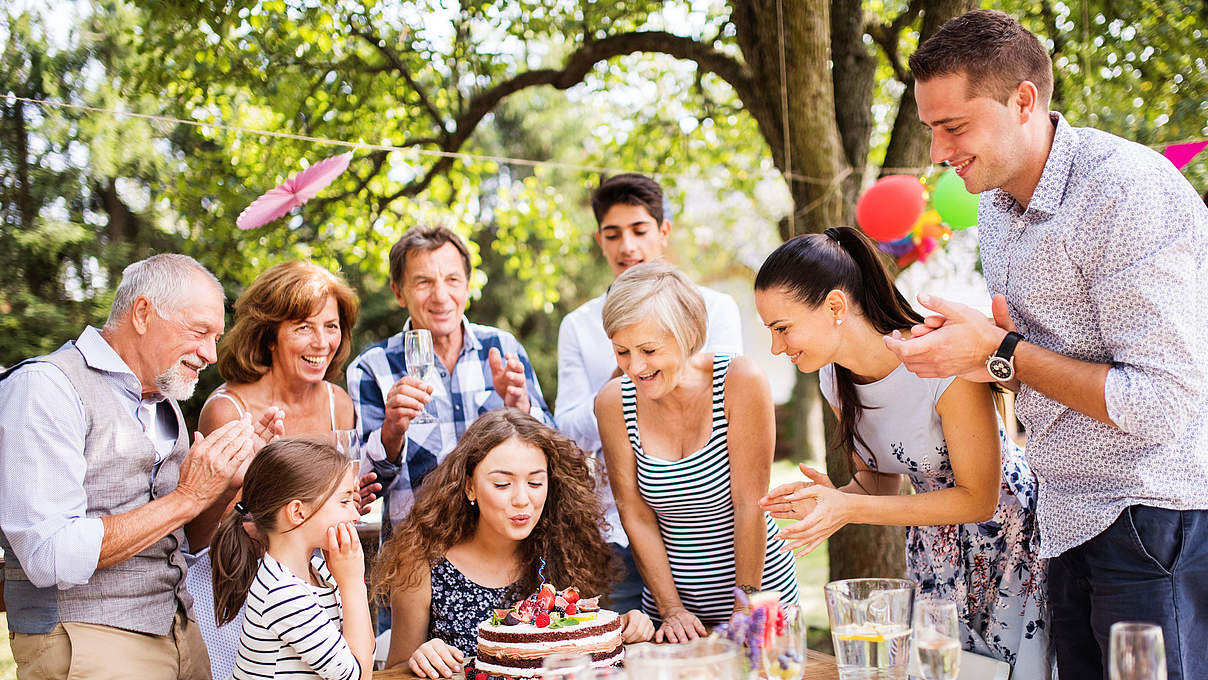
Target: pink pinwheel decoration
1181 154
294 192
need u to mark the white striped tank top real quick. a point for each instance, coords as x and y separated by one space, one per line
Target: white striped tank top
690 498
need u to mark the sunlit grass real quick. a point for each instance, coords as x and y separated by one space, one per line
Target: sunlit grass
8 668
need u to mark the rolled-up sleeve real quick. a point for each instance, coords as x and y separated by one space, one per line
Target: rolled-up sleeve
1145 283
42 467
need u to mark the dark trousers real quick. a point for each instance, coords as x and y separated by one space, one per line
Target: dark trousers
1150 565
627 592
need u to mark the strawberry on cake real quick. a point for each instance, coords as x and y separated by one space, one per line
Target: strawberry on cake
513 642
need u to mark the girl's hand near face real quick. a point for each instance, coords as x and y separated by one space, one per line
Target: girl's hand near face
343 553
636 627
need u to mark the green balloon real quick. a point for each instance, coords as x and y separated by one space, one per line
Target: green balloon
956 206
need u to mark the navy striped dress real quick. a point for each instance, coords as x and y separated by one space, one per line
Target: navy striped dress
691 499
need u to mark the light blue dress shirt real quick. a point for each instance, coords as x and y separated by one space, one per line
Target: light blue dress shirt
42 463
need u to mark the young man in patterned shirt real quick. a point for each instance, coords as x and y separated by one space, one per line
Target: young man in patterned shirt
1093 248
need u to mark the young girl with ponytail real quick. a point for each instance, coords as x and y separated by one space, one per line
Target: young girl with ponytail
307 613
971 533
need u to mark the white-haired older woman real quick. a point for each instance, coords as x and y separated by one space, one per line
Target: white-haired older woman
688 440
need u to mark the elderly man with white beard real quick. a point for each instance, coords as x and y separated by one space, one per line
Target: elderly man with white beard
100 484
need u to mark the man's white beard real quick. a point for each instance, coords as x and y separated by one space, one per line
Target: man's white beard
173 384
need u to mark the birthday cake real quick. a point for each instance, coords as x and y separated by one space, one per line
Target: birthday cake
513 642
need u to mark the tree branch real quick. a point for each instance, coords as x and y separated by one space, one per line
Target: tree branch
380 45
572 73
887 37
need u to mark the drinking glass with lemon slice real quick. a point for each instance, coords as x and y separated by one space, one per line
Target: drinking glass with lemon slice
870 621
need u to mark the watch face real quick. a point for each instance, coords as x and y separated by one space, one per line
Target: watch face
1000 368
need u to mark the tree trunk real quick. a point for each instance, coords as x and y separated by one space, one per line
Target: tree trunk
796 32
853 73
909 145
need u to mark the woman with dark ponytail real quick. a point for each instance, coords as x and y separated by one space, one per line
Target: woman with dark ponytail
307 613
971 533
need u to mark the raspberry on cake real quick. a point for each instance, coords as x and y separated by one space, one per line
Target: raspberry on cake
549 622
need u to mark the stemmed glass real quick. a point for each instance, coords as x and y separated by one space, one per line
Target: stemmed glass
1137 652
417 349
937 639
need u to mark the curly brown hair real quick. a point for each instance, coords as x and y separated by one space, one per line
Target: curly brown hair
568 535
290 291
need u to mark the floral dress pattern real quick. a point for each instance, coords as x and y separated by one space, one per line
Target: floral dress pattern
992 569
459 605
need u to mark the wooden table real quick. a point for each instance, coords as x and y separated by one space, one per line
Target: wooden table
818 666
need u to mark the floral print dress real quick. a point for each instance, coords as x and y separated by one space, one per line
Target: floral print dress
459 605
990 569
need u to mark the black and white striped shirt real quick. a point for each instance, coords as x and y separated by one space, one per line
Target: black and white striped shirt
293 629
690 498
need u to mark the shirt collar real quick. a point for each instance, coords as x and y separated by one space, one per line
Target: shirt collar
1046 199
468 340
100 355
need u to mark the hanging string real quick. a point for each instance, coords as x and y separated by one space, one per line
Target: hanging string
361 145
830 182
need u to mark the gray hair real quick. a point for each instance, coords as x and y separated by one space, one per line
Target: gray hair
656 290
162 279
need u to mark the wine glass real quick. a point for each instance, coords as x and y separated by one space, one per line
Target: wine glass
417 349
566 667
348 442
1137 652
937 639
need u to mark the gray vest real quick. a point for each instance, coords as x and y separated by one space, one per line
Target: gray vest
143 593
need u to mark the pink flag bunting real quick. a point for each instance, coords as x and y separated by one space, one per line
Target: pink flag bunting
294 192
1181 154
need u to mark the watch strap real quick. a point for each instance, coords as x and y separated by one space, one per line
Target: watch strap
1006 349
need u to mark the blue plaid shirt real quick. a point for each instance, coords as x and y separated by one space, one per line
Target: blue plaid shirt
462 395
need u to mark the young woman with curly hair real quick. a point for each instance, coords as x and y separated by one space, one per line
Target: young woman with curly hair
512 493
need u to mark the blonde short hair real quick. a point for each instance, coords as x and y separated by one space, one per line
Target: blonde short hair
659 291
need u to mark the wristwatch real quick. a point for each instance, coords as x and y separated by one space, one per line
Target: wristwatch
1001 364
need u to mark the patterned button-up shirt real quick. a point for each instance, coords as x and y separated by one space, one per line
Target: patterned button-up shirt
458 398
1107 265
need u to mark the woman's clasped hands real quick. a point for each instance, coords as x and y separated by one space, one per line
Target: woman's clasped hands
819 508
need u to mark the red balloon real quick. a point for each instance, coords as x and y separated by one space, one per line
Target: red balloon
889 209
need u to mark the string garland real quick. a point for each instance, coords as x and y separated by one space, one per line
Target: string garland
832 182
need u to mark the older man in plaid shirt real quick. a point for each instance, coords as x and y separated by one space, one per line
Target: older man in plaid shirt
480 368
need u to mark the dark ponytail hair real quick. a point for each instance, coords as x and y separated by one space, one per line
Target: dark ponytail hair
302 469
808 268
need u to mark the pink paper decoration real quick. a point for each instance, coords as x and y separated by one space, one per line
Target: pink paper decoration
1181 154
294 192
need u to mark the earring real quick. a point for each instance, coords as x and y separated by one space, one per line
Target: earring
473 502
838 322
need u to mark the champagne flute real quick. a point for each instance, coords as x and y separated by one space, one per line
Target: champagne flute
937 639
417 349
1137 651
348 442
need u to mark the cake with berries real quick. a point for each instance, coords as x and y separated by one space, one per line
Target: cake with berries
513 642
